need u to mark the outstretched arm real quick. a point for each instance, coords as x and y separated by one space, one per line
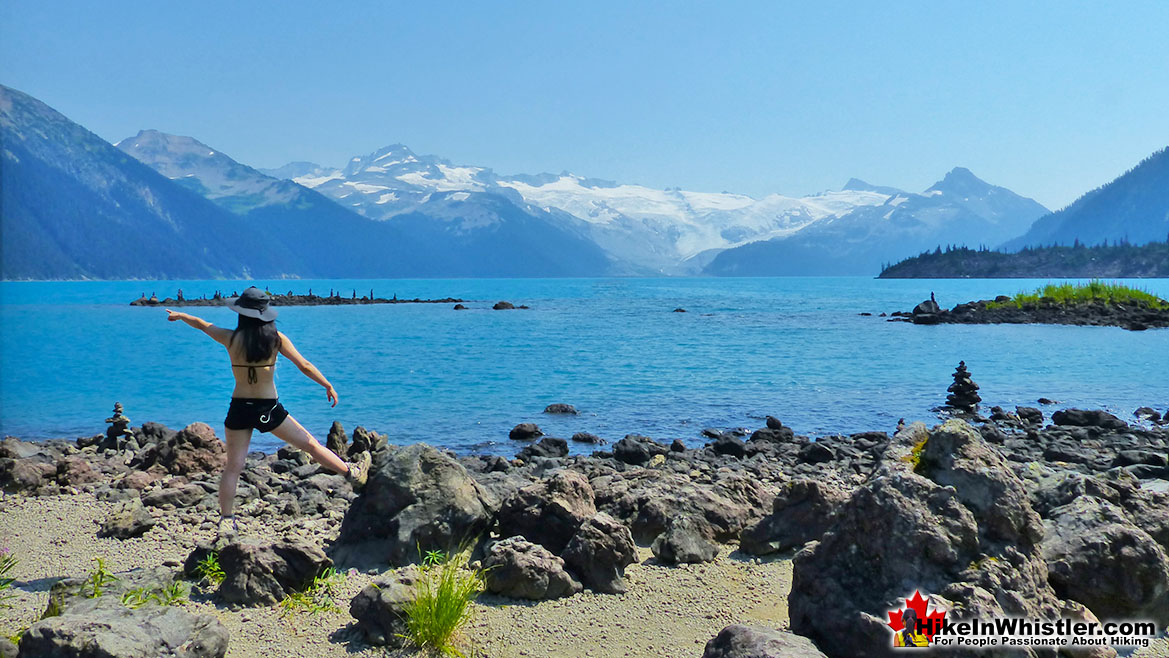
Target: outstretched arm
218 334
309 370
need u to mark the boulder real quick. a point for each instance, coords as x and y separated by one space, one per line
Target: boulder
816 453
548 512
380 607
525 432
187 495
26 475
802 511
128 519
76 470
928 307
1030 415
651 500
366 441
599 552
104 628
264 574
1097 556
548 446
560 408
770 434
587 437
519 569
193 449
637 450
337 441
729 445
503 306
1088 418
943 513
67 593
738 641
683 544
417 499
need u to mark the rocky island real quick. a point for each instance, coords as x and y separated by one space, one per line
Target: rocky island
1095 304
334 298
755 544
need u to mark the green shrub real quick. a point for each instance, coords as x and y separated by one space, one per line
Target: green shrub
209 568
442 601
318 596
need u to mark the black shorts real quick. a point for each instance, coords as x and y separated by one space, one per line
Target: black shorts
258 413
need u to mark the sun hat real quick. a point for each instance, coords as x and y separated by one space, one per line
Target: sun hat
252 303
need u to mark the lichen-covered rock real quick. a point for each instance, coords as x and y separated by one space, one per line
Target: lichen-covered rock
104 628
1097 556
128 519
943 513
265 574
681 543
738 641
417 498
548 512
380 607
520 569
599 552
802 511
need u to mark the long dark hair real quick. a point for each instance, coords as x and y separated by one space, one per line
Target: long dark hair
260 338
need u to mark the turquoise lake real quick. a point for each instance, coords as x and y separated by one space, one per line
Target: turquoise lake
790 347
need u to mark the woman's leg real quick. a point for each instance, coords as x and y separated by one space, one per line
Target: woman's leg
237 454
295 435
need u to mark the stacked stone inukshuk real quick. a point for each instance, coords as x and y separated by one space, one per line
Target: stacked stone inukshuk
963 392
118 433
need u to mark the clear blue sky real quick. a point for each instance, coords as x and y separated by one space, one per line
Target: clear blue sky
1048 98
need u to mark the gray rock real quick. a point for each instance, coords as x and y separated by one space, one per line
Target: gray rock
187 495
337 441
651 500
738 641
682 543
1088 418
548 512
802 511
129 519
7 648
726 444
265 574
104 628
417 498
520 569
637 450
68 592
560 408
1030 415
547 447
367 441
587 437
380 607
1097 556
599 552
193 449
525 432
943 513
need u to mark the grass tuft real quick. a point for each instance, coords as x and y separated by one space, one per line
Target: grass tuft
209 568
8 562
173 594
318 596
1068 294
442 601
98 580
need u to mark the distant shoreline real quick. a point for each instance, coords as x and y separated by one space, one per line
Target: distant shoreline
290 299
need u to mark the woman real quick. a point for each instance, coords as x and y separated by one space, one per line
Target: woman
253 347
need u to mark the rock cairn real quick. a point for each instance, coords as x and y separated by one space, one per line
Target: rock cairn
963 392
118 434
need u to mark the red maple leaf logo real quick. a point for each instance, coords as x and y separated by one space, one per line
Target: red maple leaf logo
931 622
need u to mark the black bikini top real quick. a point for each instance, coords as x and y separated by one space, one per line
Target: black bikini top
253 378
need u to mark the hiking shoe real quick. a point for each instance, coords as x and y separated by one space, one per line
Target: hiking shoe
359 471
228 529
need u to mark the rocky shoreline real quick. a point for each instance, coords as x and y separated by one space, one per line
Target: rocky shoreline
990 516
1132 316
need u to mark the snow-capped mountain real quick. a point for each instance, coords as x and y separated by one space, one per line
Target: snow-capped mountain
664 231
960 209
435 233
